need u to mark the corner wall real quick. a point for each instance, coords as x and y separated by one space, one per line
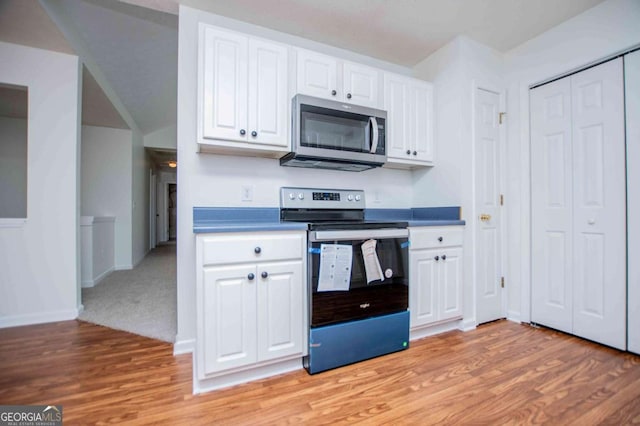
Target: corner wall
456 70
140 199
39 259
106 183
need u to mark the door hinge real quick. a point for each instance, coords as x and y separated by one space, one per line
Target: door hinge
500 116
502 282
501 200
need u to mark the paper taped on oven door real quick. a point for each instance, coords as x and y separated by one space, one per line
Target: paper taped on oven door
371 262
335 267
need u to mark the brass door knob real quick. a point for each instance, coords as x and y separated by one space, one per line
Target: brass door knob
485 217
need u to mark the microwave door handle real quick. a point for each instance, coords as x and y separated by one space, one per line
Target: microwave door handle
374 134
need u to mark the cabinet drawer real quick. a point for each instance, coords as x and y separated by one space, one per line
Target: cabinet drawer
432 237
240 248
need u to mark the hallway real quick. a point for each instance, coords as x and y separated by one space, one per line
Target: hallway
141 300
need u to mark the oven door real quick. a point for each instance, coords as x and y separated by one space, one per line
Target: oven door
362 297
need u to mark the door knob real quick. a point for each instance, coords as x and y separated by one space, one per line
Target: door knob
250 277
591 221
264 274
485 217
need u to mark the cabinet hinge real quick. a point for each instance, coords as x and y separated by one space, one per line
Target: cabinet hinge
501 200
501 116
502 282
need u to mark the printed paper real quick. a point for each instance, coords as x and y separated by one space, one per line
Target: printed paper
335 267
371 262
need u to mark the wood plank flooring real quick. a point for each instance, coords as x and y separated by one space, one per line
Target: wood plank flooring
501 373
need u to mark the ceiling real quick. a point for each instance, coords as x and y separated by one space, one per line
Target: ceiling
135 42
402 32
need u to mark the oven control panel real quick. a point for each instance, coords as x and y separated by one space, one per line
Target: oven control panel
319 198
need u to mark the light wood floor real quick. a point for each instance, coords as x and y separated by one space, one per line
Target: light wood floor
501 373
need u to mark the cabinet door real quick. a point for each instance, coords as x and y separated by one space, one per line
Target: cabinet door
268 99
360 85
224 85
229 309
421 121
450 283
423 287
317 75
280 309
397 106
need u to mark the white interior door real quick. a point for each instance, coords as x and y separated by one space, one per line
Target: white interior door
489 221
632 102
578 205
551 206
599 214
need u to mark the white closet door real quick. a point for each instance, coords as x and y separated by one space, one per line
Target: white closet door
551 206
599 192
632 101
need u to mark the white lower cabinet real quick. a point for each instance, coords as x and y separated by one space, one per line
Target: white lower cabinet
435 275
251 305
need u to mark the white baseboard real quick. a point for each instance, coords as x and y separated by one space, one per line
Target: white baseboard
94 282
123 267
38 318
231 379
468 324
431 330
514 316
184 346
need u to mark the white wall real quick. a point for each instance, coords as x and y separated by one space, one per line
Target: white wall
457 70
106 182
13 167
39 259
632 106
140 199
164 138
215 180
596 33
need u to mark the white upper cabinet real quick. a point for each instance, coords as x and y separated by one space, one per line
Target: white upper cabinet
327 77
409 106
317 75
243 94
360 85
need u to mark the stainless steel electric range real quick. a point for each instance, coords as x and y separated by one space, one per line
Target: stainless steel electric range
358 277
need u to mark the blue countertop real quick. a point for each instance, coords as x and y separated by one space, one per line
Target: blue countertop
247 219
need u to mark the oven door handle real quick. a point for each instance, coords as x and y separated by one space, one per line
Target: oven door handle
358 234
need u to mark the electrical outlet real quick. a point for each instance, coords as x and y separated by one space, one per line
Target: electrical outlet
247 193
376 197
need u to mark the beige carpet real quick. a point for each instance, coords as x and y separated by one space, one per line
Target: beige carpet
141 300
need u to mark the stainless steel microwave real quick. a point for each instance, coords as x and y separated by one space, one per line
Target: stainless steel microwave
334 135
